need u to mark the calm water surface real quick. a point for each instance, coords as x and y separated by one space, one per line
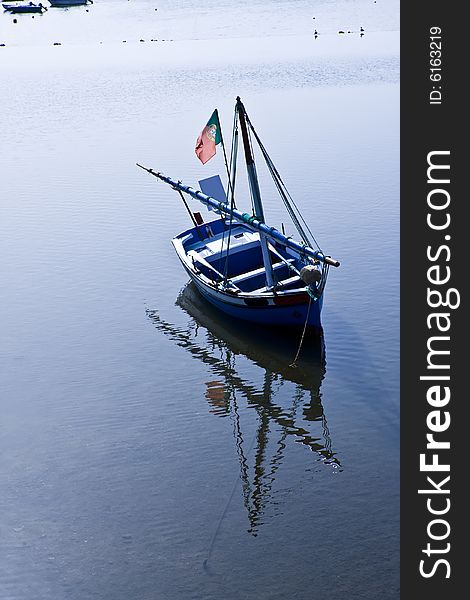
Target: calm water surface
152 449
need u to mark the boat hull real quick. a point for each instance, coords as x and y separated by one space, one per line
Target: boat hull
295 315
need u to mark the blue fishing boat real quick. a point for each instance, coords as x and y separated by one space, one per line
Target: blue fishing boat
241 265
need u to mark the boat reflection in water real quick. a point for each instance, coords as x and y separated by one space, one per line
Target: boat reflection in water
229 348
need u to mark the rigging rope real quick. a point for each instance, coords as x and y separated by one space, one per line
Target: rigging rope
225 154
232 196
291 208
298 220
285 195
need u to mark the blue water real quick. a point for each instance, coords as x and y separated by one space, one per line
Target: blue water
152 449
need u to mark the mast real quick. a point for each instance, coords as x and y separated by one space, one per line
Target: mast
233 170
255 191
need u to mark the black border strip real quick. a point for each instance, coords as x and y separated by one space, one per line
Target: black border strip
425 128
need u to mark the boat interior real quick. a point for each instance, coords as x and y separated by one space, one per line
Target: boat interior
207 244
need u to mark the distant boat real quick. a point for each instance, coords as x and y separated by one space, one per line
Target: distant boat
241 265
63 3
22 7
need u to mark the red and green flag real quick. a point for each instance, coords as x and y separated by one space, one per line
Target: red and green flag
209 138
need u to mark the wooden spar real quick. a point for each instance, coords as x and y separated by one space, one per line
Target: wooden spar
233 173
244 218
255 191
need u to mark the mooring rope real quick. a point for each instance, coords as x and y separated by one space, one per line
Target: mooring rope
293 363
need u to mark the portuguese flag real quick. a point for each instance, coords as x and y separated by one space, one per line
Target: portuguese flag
209 138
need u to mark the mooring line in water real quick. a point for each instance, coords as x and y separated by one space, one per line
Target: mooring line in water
293 363
222 516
